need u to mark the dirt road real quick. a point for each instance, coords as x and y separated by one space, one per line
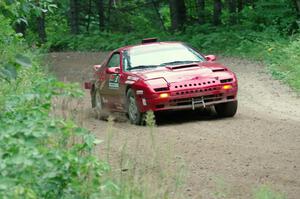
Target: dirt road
224 158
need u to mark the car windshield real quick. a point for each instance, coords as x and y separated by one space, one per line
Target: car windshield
159 55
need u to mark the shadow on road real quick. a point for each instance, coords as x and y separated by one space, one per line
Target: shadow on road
184 116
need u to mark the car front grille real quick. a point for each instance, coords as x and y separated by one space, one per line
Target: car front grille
161 89
188 101
195 91
194 84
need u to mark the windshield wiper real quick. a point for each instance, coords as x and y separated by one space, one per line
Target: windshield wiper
178 62
143 67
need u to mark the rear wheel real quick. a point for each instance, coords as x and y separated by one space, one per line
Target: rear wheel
227 109
135 116
93 93
97 105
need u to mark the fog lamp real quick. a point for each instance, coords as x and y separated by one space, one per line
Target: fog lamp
227 87
164 95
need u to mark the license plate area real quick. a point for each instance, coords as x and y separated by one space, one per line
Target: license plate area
198 101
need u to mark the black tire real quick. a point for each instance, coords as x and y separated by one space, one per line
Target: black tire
227 109
134 115
93 96
98 106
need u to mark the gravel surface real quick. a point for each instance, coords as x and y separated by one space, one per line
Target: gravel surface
223 158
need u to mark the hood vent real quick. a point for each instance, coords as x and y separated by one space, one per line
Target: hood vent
219 70
182 66
161 89
226 80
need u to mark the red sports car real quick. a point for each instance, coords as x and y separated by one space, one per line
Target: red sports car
162 76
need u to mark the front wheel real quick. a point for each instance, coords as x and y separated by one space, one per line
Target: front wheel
135 116
227 109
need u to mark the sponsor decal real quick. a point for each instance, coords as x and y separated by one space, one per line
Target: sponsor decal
114 81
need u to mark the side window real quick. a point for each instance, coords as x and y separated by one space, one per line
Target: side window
114 61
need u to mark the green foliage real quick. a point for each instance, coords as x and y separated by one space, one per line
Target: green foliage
10 59
284 61
41 156
265 192
19 10
91 42
277 14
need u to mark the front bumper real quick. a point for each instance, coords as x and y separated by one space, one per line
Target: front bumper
189 98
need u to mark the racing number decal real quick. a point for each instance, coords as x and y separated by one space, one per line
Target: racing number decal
114 81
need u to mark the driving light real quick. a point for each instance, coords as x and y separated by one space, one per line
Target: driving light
139 92
164 95
227 87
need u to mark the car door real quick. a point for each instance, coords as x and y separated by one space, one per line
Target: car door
110 89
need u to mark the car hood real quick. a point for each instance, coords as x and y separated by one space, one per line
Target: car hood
186 72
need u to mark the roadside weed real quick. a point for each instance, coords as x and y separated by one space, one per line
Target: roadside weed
264 192
142 169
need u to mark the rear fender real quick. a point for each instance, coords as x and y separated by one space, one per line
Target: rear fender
88 85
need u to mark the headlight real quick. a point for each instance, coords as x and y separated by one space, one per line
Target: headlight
158 82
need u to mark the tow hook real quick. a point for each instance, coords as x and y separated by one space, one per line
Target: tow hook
198 102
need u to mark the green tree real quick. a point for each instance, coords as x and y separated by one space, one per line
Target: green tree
178 13
74 16
101 16
232 7
201 11
217 12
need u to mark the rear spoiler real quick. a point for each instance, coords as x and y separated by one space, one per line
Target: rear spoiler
149 40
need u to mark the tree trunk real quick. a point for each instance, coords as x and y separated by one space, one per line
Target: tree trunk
201 11
89 13
178 13
297 6
217 12
21 28
74 16
249 2
110 2
240 5
232 11
41 28
155 6
101 14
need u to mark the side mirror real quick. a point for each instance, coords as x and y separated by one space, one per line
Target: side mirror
114 70
210 57
96 67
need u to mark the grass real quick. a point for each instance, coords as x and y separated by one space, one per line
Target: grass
264 192
139 169
143 172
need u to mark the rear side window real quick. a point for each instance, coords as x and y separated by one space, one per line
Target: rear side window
114 61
